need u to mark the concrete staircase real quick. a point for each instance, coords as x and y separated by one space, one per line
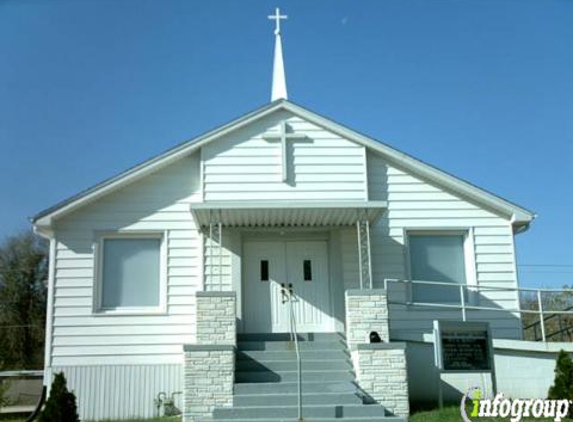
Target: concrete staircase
266 382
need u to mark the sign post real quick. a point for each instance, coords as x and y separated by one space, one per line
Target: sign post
463 347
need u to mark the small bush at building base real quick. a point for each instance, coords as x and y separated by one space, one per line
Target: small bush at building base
61 406
562 387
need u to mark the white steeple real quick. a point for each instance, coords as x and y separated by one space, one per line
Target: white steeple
279 89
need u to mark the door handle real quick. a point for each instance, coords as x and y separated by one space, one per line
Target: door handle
284 294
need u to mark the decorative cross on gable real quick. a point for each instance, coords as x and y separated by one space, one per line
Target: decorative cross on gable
284 135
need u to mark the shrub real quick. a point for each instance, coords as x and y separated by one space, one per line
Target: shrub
562 387
61 405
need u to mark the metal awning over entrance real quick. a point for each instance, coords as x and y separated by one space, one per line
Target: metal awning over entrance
213 216
286 213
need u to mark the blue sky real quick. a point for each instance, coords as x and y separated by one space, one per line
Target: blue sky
482 89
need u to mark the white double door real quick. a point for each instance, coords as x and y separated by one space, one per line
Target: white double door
272 270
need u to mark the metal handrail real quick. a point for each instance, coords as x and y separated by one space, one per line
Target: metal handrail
35 411
22 373
464 307
475 286
567 329
294 337
547 318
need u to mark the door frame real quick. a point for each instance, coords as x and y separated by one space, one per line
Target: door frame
286 235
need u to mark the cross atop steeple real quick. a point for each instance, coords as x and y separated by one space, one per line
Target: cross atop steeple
277 18
279 89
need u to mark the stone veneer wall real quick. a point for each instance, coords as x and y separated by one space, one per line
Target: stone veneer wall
380 367
382 373
366 311
208 379
209 365
216 318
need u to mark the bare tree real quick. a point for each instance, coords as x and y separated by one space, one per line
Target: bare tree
558 327
23 275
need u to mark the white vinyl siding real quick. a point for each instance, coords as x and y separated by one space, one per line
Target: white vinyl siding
121 391
217 269
415 204
158 203
245 166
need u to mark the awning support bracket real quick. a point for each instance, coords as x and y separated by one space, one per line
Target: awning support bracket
215 245
364 253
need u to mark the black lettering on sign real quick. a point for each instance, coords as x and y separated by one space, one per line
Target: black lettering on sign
463 352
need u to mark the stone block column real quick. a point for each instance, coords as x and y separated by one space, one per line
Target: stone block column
209 365
216 318
366 311
382 374
208 379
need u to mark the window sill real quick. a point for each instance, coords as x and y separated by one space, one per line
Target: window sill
130 312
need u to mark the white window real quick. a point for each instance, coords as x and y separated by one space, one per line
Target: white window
130 273
441 257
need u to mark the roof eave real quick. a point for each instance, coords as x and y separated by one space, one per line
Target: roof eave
518 215
46 216
510 210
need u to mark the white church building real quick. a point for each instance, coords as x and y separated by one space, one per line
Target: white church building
186 276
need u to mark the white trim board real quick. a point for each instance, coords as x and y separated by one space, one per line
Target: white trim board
286 213
98 247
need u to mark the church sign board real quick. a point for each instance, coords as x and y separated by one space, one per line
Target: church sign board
463 346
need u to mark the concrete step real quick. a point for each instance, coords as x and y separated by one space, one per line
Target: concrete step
317 411
292 387
292 399
292 376
302 337
311 354
273 345
291 365
266 382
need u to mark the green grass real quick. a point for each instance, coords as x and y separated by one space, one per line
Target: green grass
452 414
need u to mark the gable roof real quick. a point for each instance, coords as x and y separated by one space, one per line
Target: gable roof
519 216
